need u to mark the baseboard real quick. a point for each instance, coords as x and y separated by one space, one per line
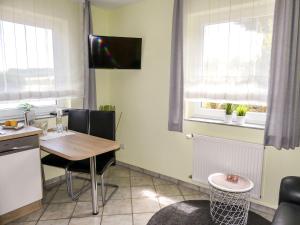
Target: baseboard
203 189
18 213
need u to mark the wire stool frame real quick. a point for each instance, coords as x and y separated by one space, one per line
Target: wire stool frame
229 208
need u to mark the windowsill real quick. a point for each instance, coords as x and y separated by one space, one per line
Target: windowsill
220 122
39 117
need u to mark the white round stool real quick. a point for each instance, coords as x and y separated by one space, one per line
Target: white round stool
229 202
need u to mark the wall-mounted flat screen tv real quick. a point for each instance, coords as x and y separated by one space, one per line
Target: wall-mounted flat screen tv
115 52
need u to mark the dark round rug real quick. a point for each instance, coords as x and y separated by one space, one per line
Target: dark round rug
193 212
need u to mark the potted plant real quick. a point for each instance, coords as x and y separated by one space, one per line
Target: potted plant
241 111
28 114
228 113
107 108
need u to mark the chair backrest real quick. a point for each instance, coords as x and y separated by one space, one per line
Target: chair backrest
78 120
290 190
102 124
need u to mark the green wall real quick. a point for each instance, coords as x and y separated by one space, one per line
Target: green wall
142 96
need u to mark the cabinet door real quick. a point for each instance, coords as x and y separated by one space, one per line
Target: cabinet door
20 179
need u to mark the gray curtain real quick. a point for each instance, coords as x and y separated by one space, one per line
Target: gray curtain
176 76
90 98
283 117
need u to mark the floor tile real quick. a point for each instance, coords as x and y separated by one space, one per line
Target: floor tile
197 197
22 223
116 207
54 222
145 205
85 209
118 171
117 220
85 221
168 190
135 202
121 193
141 181
171 179
58 211
143 192
61 196
87 196
77 184
49 194
142 218
168 200
33 216
188 191
120 181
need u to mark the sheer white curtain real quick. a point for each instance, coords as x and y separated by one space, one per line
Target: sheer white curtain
227 50
40 49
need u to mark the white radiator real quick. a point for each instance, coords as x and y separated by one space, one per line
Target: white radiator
213 155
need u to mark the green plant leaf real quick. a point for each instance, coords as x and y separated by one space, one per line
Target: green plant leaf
241 110
229 109
107 108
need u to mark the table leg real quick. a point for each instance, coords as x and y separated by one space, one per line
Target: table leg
94 185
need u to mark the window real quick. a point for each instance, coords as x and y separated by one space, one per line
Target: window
27 61
40 52
227 52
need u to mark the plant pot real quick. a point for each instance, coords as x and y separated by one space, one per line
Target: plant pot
240 120
228 118
29 117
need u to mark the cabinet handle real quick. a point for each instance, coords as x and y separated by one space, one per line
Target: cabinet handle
22 147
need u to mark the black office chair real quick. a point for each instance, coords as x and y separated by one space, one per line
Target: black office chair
102 124
78 120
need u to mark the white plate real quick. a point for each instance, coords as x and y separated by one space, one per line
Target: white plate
19 126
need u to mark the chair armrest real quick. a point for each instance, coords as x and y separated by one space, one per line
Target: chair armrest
290 190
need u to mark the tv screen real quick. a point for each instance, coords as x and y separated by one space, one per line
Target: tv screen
115 52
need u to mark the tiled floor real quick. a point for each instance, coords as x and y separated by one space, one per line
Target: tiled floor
137 199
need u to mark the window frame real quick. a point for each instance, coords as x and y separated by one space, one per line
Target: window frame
196 112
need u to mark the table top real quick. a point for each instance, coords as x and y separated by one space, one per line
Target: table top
23 132
78 146
218 180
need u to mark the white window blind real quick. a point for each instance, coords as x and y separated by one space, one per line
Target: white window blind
227 50
40 49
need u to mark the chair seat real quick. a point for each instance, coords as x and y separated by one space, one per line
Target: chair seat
287 214
83 166
56 161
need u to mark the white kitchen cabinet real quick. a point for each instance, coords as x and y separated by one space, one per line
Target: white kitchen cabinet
20 173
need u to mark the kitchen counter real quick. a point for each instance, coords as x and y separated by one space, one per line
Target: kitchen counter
23 132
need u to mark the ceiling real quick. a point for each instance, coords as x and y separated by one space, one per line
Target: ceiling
112 3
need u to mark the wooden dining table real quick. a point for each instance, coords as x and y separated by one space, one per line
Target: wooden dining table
78 146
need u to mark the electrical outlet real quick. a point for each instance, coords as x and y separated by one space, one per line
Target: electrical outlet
122 146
